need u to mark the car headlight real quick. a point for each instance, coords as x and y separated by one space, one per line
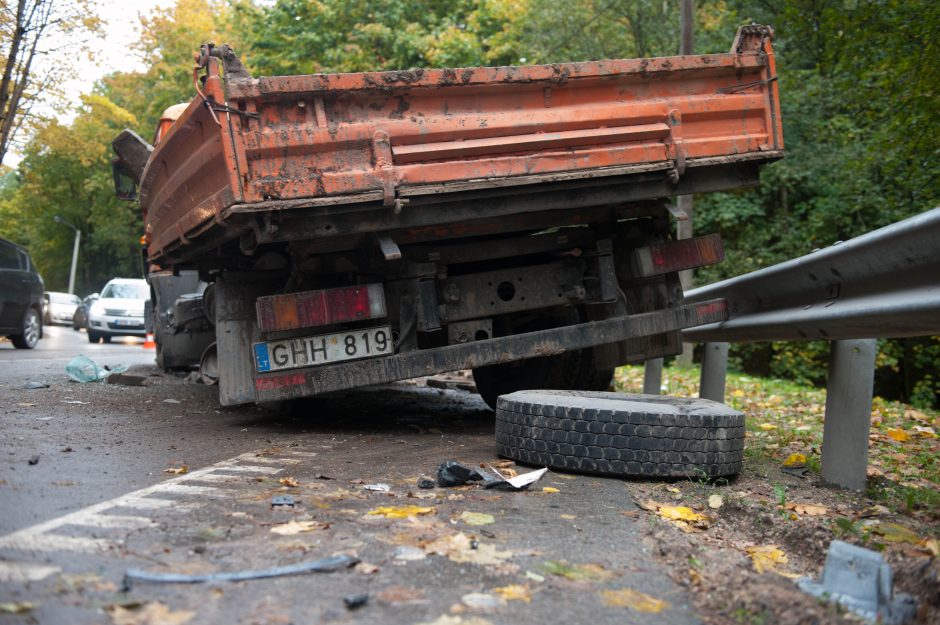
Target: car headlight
96 309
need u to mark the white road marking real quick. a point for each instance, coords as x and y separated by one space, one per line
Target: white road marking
42 537
21 572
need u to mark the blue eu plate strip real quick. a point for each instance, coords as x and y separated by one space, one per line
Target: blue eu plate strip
262 360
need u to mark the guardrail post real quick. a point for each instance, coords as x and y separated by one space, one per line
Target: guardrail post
714 372
653 377
848 413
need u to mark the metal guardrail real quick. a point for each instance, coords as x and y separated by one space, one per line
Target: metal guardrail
882 284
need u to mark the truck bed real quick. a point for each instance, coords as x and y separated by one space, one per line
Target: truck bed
429 154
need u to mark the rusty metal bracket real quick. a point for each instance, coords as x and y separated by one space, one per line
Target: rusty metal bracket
675 145
385 167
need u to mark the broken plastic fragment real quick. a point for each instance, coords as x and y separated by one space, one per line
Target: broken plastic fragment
282 500
324 565
354 602
519 482
452 473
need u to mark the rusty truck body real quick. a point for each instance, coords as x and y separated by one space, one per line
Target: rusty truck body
355 229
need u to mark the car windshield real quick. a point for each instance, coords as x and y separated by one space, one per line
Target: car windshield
126 291
64 298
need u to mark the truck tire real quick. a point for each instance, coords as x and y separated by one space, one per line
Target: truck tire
621 435
32 330
557 371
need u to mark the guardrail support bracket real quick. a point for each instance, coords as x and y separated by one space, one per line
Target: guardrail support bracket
714 371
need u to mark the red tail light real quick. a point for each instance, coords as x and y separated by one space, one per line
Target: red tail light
310 309
677 255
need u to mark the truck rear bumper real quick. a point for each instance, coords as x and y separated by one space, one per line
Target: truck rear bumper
324 379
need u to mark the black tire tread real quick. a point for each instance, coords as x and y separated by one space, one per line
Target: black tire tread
620 434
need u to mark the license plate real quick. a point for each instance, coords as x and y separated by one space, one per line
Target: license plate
312 351
125 322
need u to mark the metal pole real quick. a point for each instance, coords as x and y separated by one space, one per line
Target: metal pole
684 202
848 413
714 371
653 377
78 240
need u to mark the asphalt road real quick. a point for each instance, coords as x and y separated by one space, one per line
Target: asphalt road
99 500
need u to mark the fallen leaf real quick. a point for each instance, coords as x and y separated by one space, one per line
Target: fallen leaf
715 501
292 528
891 532
409 554
794 460
628 598
461 548
898 434
535 577
684 517
550 489
932 546
476 518
767 426
17 607
447 619
578 572
568 517
151 613
482 601
808 509
401 512
288 481
925 431
514 592
177 471
673 489
366 568
401 595
767 558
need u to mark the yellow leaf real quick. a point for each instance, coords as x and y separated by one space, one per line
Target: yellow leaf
550 489
578 572
766 558
715 501
931 545
288 481
684 514
402 512
892 532
152 613
17 607
568 517
767 426
514 592
795 460
673 489
177 471
898 434
627 598
737 393
476 518
808 509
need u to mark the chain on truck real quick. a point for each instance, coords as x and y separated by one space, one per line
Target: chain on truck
309 234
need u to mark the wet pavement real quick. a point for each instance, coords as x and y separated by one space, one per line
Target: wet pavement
108 494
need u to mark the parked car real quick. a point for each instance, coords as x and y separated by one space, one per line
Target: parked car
80 316
59 307
21 289
119 310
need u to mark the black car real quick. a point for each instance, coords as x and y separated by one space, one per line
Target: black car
21 289
80 318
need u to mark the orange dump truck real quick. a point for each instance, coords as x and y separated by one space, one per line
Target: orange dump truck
356 229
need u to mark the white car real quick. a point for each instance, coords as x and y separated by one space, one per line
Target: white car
59 307
119 311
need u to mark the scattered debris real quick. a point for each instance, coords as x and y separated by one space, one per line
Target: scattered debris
282 500
550 490
401 595
578 572
682 517
535 577
170 400
860 580
808 509
715 501
378 488
324 565
482 601
31 385
83 369
366 568
33 459
795 464
519 482
635 600
425 482
183 470
288 481
452 473
126 379
354 602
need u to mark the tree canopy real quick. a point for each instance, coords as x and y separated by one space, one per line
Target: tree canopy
858 81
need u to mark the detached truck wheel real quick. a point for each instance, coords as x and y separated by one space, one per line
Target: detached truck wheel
619 434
